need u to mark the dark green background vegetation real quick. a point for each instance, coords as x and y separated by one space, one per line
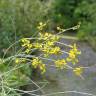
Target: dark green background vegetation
18 18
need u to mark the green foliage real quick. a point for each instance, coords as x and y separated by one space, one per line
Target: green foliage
63 12
12 77
69 13
18 18
86 13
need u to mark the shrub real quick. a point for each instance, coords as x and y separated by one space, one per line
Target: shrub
73 11
86 13
63 12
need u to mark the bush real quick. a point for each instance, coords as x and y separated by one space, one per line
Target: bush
86 13
63 12
73 11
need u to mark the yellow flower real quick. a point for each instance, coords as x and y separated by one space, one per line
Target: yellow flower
41 26
36 62
54 38
54 50
37 45
47 36
73 54
42 68
58 28
76 51
45 49
17 60
27 51
78 71
49 43
49 50
40 23
29 46
60 63
25 41
20 60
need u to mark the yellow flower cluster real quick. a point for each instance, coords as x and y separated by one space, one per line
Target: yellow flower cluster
20 60
46 45
60 63
73 54
41 26
37 45
42 68
78 71
55 50
73 58
37 63
45 35
49 36
49 51
27 44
